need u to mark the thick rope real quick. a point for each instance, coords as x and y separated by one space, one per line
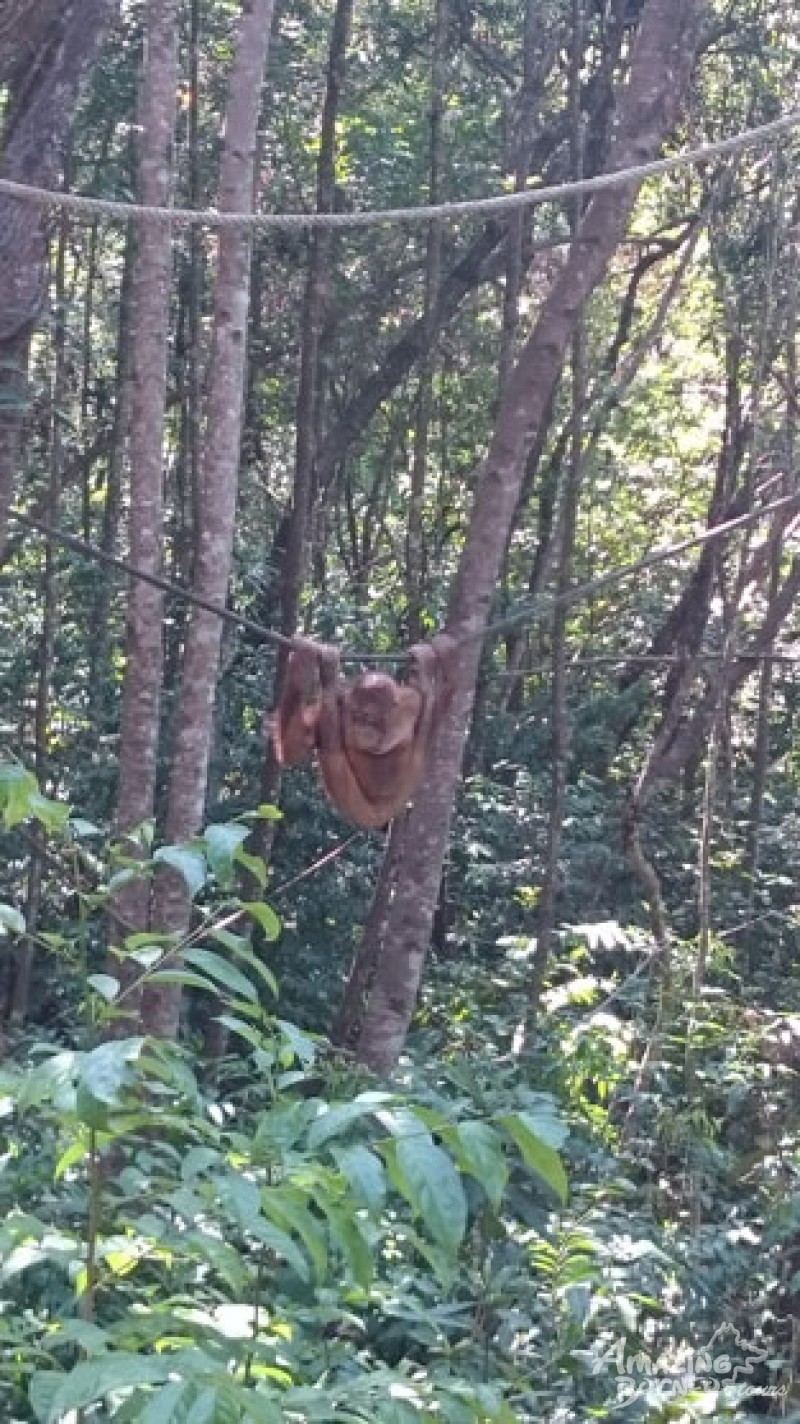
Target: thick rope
534 611
466 208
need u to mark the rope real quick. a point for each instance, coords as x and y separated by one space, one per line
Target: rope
531 612
100 556
534 609
468 207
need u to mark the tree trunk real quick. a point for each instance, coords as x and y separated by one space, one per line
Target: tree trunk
350 1015
307 409
219 477
561 732
101 693
50 52
660 66
50 602
141 692
416 562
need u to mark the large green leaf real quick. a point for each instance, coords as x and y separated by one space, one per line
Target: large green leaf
106 1069
346 1231
221 842
478 1150
365 1174
188 862
91 1380
290 1212
536 1154
264 916
163 1407
428 1180
222 972
239 946
52 814
335 1120
17 789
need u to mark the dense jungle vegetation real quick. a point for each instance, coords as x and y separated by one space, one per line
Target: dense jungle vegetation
490 1113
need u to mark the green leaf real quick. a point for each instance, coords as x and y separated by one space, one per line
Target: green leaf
184 977
147 956
189 863
105 985
81 828
142 939
256 1406
76 1152
255 866
541 1159
221 842
335 1120
266 812
264 916
106 1070
121 878
282 1244
240 947
251 1035
356 1250
543 1120
91 1380
17 788
290 1213
162 1408
91 1339
50 1081
43 1389
301 1045
241 1199
224 1259
430 1183
52 814
222 972
364 1172
12 921
478 1150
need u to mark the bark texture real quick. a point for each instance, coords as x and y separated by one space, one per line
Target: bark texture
219 479
660 66
141 693
46 52
309 387
416 553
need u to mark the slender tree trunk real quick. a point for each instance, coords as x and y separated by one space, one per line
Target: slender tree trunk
87 361
416 570
660 65
561 730
761 750
141 692
99 697
24 961
193 403
307 409
194 717
349 1018
33 146
516 640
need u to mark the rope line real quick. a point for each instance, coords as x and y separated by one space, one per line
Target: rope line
530 612
93 552
468 207
535 608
